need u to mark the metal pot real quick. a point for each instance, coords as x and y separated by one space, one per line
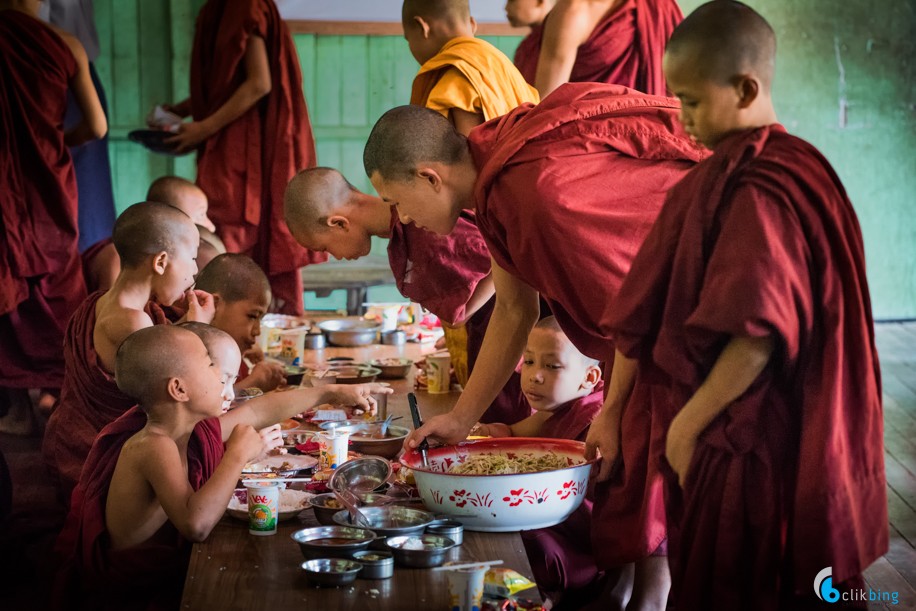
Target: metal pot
350 331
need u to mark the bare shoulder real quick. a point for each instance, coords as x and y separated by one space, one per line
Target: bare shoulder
581 14
112 326
73 43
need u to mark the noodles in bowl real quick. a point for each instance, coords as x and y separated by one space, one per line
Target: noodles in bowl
503 484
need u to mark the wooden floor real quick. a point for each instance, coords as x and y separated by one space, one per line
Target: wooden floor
26 538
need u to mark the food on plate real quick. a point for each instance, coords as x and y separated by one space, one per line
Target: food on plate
492 463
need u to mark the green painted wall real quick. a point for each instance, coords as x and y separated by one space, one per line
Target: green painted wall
845 81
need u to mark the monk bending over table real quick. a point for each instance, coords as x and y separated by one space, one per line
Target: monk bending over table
252 133
620 42
157 245
564 193
160 477
41 278
241 295
749 304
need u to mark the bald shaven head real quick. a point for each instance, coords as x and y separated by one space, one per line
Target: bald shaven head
234 277
184 195
727 38
430 24
312 196
150 357
149 228
452 11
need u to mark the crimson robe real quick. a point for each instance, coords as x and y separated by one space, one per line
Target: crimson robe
41 280
244 169
562 561
625 48
761 240
441 273
150 576
89 399
566 192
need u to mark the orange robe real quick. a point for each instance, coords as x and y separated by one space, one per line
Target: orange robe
244 169
41 278
625 48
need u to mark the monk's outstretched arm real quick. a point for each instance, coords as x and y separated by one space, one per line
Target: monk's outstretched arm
570 24
481 295
514 315
271 408
604 432
739 364
256 85
93 123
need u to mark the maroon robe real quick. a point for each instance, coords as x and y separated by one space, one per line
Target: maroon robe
244 169
89 399
561 557
149 576
441 273
625 48
565 194
761 240
41 279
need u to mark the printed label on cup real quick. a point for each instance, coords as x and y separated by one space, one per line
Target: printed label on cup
332 449
263 505
438 373
465 588
292 346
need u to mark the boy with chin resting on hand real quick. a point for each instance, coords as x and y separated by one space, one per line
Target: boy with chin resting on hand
161 476
564 388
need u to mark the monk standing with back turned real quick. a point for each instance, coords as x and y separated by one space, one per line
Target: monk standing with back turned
748 303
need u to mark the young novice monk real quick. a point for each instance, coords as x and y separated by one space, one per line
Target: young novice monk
241 295
749 303
160 477
447 275
184 195
157 245
564 387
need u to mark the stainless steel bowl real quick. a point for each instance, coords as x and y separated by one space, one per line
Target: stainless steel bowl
388 447
325 506
453 529
331 571
376 564
419 551
392 368
344 541
350 331
361 474
390 520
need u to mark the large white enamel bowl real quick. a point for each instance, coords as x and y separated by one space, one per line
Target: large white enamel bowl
501 503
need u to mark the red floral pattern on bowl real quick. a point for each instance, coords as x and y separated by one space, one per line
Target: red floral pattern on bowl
500 503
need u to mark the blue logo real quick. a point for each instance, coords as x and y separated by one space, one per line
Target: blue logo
823 586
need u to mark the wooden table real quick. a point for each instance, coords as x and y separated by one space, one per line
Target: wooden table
236 570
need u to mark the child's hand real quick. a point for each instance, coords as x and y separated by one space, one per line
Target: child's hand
254 354
200 306
357 395
271 437
245 443
679 447
266 375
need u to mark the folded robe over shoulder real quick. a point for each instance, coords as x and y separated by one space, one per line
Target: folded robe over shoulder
41 281
591 163
245 167
761 240
625 48
93 576
89 400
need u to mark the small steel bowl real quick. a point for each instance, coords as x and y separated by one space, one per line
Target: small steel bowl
314 341
294 374
350 331
346 541
452 529
388 447
431 552
325 506
392 368
389 521
394 338
376 564
361 474
354 374
331 571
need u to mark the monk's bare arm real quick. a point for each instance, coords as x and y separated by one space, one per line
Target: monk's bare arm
195 514
481 295
739 364
570 24
604 432
93 123
532 426
256 85
464 121
272 408
514 315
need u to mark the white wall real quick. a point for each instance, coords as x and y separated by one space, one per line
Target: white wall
374 10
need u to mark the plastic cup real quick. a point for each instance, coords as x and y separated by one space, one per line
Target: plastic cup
263 507
292 345
333 448
465 588
438 374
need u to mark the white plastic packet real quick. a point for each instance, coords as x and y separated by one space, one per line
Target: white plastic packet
161 118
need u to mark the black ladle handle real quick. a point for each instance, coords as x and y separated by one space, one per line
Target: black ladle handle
417 423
